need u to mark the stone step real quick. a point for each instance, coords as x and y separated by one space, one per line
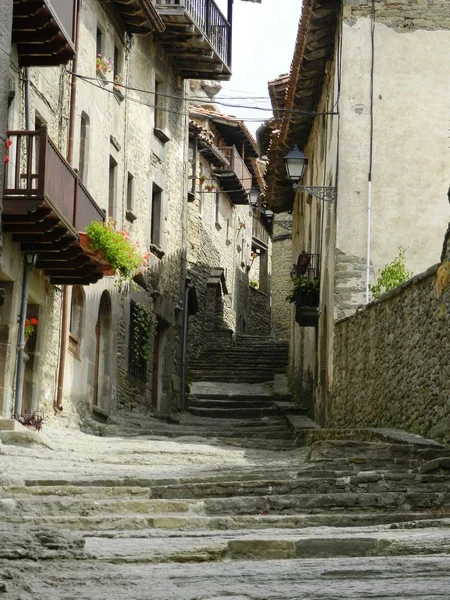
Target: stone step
347 501
191 522
230 403
235 413
221 502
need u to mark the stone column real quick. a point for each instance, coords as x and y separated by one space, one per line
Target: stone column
6 9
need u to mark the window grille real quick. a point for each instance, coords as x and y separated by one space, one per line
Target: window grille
137 366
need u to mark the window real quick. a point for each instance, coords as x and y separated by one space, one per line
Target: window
130 191
155 222
228 230
117 67
76 320
99 41
112 187
217 209
138 338
159 104
84 148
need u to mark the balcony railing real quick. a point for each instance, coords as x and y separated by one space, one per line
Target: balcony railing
38 170
210 23
44 31
259 232
45 205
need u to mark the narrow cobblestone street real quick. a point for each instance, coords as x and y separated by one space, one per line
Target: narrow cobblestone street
201 508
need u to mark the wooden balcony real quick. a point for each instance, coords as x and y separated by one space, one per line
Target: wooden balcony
235 179
44 31
259 233
45 205
198 35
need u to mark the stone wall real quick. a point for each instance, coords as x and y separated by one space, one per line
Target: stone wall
258 313
281 282
391 360
401 16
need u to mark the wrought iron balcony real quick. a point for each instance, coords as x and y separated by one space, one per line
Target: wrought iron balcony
199 37
45 205
235 179
44 31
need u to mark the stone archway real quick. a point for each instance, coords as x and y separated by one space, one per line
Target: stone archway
103 354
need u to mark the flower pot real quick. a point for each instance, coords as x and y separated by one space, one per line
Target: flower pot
303 262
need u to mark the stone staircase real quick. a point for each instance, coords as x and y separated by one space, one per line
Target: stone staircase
348 499
249 359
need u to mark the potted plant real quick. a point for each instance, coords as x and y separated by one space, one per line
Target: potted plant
305 296
118 255
210 187
119 80
202 178
30 325
103 65
303 262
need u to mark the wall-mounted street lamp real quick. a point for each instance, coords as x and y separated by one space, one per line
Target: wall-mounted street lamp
253 196
295 162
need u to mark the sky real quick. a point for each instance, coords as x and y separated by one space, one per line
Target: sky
263 45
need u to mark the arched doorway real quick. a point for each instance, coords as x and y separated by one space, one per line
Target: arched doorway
103 353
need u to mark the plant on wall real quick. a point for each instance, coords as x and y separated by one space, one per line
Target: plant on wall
304 287
144 329
124 257
392 275
30 325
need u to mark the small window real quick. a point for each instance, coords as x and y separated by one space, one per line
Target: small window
76 320
112 187
99 41
217 209
84 148
156 210
117 67
130 192
228 229
159 105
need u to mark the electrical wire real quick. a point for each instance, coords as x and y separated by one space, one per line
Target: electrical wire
95 81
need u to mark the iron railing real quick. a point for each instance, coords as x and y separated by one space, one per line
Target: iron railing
37 170
209 19
137 366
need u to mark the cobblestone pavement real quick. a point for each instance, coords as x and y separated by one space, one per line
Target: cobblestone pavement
150 510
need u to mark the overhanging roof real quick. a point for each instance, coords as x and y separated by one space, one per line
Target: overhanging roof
313 49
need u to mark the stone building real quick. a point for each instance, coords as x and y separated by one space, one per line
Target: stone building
99 130
229 244
371 128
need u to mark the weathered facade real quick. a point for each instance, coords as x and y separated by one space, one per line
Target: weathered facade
115 121
229 244
358 126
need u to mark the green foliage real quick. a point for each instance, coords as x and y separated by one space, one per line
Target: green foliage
123 255
392 275
144 329
305 285
254 283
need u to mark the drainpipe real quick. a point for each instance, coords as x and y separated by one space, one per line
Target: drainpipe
29 263
6 16
65 293
189 286
230 39
26 77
